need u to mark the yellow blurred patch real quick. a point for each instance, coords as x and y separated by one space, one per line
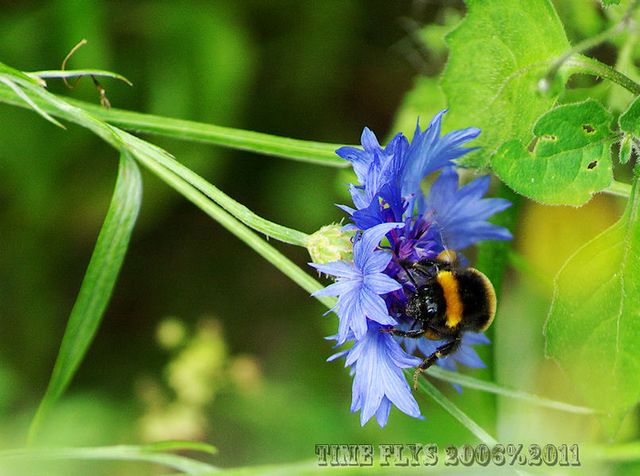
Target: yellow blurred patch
548 235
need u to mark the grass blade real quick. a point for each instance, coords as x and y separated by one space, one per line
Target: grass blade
154 453
28 101
122 140
77 73
97 284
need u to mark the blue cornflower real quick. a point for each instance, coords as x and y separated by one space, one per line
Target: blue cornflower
360 283
377 361
430 152
460 215
396 225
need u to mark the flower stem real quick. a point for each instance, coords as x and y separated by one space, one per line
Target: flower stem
486 386
588 43
428 388
586 65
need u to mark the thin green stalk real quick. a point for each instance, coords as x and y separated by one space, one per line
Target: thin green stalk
485 386
305 151
319 153
455 412
242 213
163 164
584 64
589 43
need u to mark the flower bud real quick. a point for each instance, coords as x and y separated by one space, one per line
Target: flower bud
330 243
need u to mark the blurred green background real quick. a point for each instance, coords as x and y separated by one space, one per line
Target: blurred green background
203 339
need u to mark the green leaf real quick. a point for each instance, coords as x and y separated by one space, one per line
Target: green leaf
593 328
571 159
152 453
98 282
626 148
497 56
608 3
629 120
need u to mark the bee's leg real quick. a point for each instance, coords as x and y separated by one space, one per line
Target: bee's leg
412 334
442 351
426 267
405 266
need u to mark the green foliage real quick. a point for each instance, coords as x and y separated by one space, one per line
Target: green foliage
571 159
98 282
202 70
497 56
624 154
608 3
593 328
629 121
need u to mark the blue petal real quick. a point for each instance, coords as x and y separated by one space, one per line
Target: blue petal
375 309
360 160
378 380
466 355
381 283
335 289
470 338
382 414
342 269
460 215
370 240
429 152
369 140
376 262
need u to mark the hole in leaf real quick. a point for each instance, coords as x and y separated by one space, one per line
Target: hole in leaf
588 128
550 137
592 165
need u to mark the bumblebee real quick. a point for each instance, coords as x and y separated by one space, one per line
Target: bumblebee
449 301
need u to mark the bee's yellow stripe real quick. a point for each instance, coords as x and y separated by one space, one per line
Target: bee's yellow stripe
449 284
